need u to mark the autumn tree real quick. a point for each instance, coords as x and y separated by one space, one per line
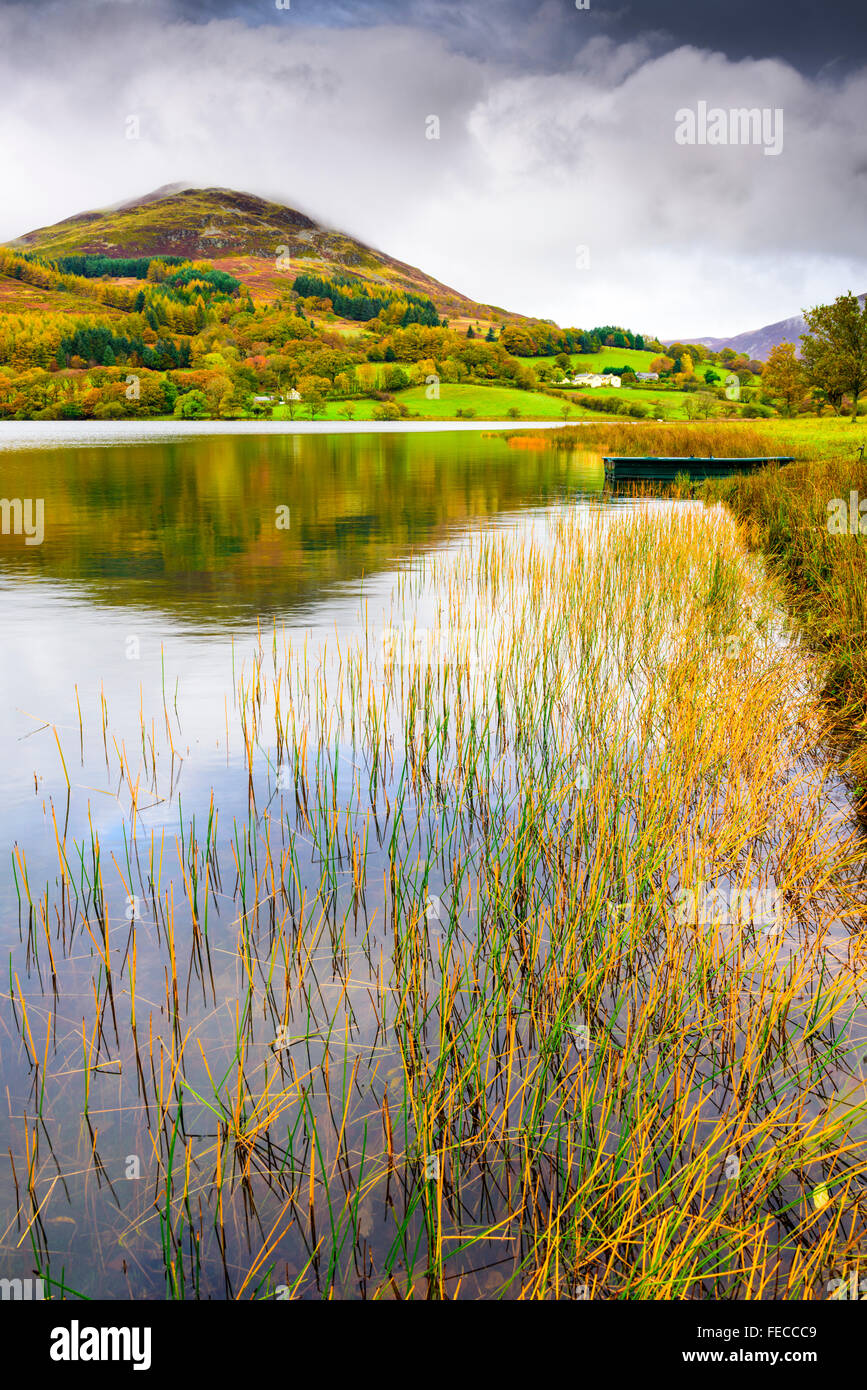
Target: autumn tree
192 405
328 363
784 375
236 401
835 347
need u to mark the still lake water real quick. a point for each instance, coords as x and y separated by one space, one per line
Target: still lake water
160 567
164 584
162 553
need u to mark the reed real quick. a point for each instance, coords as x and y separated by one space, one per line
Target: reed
672 439
428 1009
787 516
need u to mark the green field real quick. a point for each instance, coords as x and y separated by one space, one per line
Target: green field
825 436
817 437
622 357
363 410
489 403
601 361
665 405
494 402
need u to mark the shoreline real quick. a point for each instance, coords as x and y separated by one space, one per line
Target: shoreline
21 434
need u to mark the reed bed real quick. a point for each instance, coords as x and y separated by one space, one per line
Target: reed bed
790 518
701 438
416 1004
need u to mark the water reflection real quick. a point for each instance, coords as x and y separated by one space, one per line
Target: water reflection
190 527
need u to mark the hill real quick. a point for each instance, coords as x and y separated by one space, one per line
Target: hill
211 303
262 243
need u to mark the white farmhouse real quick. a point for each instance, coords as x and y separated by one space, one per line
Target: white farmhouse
592 379
273 400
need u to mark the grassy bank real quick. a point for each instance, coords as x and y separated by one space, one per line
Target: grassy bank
645 437
824 574
805 439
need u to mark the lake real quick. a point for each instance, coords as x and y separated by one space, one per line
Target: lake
162 550
295 845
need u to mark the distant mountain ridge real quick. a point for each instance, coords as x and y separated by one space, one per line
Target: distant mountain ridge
757 342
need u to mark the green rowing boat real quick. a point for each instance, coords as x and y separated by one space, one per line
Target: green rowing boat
634 467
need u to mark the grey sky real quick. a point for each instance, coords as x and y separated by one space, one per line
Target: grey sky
556 133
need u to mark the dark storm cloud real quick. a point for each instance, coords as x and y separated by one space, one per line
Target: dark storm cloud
807 34
547 34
